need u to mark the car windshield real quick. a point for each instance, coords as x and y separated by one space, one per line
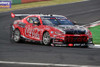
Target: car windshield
54 21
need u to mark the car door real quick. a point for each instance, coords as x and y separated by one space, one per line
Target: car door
32 29
36 33
28 27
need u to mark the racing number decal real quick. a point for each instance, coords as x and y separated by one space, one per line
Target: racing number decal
32 32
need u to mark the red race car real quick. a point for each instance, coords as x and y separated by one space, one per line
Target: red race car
55 30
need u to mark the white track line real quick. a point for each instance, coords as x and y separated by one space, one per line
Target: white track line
93 24
96 46
44 64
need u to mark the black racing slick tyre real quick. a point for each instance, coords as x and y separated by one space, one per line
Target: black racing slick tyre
16 36
46 39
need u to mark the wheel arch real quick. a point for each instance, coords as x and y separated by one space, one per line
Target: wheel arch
49 35
17 29
43 34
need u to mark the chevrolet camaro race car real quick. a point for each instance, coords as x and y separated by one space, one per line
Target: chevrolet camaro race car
55 30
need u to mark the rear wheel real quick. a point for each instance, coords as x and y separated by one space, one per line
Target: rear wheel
46 39
16 36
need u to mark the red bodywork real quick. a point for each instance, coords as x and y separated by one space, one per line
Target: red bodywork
35 32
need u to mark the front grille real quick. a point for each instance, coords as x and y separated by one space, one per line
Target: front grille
75 39
75 32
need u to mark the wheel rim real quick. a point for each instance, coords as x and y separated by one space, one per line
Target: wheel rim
46 38
16 36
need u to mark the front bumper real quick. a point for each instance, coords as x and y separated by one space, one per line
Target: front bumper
73 45
77 40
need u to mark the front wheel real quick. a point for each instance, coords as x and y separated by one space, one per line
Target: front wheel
46 39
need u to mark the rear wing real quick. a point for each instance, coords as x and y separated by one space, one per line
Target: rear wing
19 15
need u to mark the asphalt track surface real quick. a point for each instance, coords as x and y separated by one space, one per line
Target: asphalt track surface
83 12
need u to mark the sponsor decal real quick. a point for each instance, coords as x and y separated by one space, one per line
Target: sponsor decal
32 32
78 39
5 4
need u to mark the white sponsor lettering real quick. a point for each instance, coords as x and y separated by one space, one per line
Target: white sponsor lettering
7 3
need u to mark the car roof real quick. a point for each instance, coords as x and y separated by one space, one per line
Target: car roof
49 15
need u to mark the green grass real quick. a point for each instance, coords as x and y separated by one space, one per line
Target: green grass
37 4
96 34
